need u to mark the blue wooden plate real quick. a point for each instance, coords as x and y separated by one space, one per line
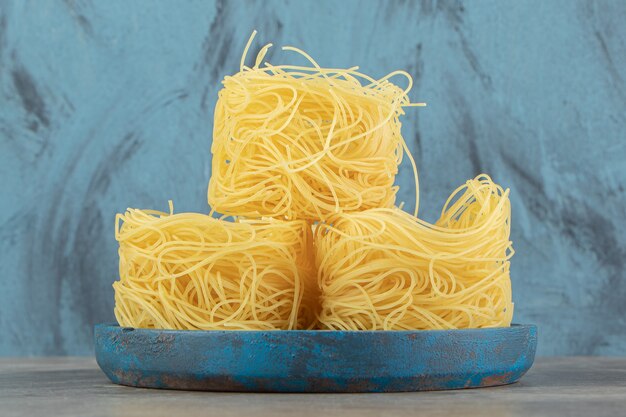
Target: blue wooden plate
315 361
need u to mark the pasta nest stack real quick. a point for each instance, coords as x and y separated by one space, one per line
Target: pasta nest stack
305 157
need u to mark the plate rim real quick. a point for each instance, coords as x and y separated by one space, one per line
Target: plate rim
115 326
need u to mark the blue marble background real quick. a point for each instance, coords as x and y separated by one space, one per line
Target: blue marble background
105 105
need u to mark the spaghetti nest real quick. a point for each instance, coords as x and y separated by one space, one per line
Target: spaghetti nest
305 142
192 271
385 269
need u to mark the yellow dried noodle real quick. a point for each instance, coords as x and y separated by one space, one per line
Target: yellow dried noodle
305 142
384 269
192 271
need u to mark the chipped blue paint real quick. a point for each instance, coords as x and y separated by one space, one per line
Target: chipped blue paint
315 361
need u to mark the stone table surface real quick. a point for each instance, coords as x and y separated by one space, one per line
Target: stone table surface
574 386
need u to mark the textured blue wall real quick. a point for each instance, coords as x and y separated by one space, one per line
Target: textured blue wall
106 105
